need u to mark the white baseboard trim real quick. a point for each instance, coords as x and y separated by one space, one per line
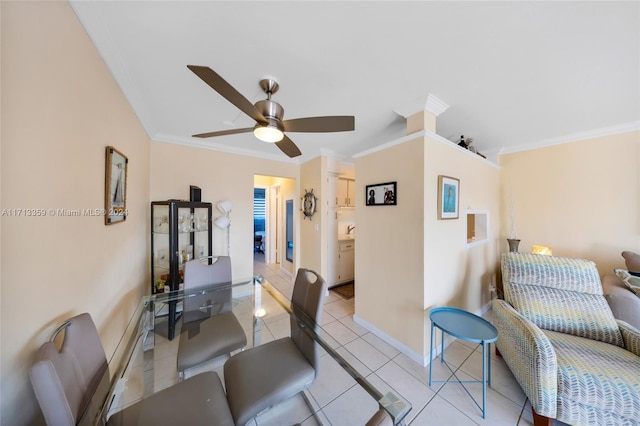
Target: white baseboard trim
423 360
390 340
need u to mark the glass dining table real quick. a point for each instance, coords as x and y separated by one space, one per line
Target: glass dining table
144 362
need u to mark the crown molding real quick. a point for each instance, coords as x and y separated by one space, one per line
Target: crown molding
431 103
435 105
575 137
422 134
212 146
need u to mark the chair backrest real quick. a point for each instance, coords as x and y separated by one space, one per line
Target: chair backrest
309 291
559 294
66 381
200 275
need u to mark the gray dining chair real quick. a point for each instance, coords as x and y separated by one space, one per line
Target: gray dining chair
72 384
209 327
265 375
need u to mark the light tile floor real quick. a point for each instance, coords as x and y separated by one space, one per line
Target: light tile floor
388 369
336 398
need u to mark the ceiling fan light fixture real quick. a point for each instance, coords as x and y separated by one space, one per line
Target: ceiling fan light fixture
268 133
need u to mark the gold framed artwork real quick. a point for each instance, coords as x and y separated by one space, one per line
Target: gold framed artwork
115 191
448 197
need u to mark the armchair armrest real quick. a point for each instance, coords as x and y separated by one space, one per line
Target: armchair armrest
529 355
630 336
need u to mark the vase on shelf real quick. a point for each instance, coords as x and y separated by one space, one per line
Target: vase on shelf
513 244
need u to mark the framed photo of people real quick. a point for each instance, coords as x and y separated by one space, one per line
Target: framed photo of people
381 194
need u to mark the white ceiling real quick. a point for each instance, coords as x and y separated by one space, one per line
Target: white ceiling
514 74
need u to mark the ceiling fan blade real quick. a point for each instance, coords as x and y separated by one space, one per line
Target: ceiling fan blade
336 123
223 132
287 146
219 84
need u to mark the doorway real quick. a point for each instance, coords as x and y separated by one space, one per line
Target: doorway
259 223
270 222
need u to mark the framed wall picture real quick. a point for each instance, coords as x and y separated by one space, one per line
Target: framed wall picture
115 190
381 194
448 197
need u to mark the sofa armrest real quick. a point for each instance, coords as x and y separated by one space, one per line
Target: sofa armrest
624 304
529 355
630 336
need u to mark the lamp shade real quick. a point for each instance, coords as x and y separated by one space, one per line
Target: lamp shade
542 250
224 206
222 222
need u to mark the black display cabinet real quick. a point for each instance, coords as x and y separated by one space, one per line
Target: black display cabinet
180 231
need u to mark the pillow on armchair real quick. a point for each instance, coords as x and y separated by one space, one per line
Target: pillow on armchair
632 282
633 262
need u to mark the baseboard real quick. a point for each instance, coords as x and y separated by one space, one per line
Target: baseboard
423 360
390 340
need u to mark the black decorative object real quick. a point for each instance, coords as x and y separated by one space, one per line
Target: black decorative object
195 193
462 143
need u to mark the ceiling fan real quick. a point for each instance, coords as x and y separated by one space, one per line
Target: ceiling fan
268 114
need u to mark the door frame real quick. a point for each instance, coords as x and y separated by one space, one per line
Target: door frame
274 225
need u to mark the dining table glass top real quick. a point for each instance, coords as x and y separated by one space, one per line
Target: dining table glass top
145 361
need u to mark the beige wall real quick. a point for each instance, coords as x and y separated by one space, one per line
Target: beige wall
456 274
313 238
220 176
405 251
60 108
389 263
580 198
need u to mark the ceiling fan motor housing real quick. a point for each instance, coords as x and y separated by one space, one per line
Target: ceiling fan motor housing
272 112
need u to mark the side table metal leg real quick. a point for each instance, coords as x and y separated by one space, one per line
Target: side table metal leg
484 381
431 354
442 346
489 364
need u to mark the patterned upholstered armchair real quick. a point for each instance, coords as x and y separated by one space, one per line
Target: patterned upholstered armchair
573 360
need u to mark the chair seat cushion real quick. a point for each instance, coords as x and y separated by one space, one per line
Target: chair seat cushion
287 372
201 341
201 401
595 378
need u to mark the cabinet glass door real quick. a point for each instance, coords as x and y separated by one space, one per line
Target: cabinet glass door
181 232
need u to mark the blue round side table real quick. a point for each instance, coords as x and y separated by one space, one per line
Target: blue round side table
471 328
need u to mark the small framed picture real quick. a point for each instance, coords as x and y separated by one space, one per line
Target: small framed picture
448 197
381 194
115 192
